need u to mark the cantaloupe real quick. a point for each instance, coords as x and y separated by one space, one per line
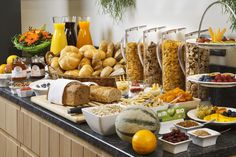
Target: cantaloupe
133 119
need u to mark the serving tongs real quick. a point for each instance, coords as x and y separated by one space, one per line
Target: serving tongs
143 40
163 37
124 39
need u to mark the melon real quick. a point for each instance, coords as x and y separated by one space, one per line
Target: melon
135 118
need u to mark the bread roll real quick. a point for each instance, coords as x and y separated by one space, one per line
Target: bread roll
103 45
118 72
84 61
86 71
55 65
106 71
97 65
109 62
118 56
118 66
70 58
97 73
72 73
76 94
122 61
54 62
89 53
86 48
102 54
104 94
70 49
116 47
110 50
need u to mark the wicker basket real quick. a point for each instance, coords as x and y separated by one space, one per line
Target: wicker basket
102 81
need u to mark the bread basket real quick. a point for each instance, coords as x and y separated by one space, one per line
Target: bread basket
102 81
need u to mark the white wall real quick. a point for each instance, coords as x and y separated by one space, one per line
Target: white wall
172 13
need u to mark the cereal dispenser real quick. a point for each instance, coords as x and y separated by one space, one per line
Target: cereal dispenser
151 69
167 53
134 68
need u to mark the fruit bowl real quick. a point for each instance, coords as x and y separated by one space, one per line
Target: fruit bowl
209 83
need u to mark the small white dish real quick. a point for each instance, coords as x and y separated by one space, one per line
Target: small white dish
5 80
103 125
175 148
204 141
13 89
24 93
186 129
39 90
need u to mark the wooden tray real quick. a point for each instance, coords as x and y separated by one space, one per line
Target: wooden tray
59 109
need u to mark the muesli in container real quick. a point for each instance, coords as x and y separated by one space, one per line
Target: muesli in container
134 69
194 60
172 74
151 69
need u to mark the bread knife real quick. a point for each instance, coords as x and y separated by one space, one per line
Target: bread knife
77 110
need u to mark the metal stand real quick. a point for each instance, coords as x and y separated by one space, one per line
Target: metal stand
217 2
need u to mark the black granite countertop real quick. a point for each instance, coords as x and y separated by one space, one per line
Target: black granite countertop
226 143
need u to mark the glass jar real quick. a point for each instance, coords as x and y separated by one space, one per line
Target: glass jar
197 62
37 68
172 75
84 36
59 40
134 68
19 70
70 30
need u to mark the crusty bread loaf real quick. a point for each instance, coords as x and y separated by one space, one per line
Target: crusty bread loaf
104 94
76 94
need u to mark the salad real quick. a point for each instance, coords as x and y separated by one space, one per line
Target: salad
33 41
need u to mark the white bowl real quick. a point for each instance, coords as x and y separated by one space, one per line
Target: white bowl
5 80
40 91
186 129
104 125
204 141
175 147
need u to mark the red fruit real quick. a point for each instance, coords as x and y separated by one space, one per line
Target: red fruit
228 76
25 88
219 80
218 76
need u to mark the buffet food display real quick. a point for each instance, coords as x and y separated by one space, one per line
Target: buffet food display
148 84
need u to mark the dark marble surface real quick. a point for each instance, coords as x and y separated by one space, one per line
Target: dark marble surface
226 143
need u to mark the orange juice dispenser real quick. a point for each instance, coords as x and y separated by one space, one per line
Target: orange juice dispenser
59 40
84 36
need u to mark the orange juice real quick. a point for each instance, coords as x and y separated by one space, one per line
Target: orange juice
59 40
84 36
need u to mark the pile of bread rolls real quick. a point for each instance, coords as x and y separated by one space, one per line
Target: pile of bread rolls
106 61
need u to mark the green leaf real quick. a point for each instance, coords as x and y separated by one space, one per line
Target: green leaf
116 8
232 4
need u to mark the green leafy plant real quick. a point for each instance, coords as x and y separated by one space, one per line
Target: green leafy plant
116 8
232 4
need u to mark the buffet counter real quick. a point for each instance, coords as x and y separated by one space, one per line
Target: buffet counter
27 129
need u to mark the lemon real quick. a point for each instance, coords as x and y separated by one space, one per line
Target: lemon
2 68
11 58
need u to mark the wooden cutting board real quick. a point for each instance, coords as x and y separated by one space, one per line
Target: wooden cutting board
59 109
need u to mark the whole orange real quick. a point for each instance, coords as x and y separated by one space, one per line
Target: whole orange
144 142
